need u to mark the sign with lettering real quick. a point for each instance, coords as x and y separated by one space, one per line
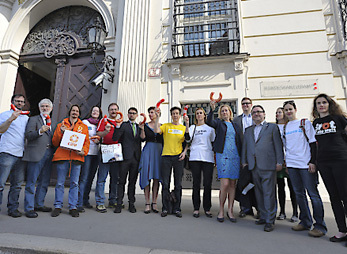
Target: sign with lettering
72 140
289 88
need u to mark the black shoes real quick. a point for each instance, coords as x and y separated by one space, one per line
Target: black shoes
118 209
147 211
269 227
334 239
56 212
178 214
80 209
153 209
220 219
208 214
44 209
196 215
74 213
31 214
233 220
89 206
14 213
163 214
260 222
132 208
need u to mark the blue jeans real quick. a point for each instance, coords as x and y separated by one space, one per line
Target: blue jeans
303 181
39 172
62 170
88 171
104 168
15 167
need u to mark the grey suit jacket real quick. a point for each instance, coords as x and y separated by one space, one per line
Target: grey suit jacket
36 144
238 121
265 152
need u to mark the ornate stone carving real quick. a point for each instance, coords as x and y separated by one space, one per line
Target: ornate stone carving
73 20
61 44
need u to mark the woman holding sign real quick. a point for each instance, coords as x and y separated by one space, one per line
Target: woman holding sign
69 158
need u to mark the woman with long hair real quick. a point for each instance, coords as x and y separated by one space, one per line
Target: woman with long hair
201 159
91 162
150 162
330 125
227 146
281 120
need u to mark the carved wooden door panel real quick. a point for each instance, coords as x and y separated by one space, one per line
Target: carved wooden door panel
73 79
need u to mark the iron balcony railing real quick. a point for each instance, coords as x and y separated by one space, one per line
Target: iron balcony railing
343 11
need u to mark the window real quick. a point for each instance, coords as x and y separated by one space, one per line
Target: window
343 11
206 106
205 28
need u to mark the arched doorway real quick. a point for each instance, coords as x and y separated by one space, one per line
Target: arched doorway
55 63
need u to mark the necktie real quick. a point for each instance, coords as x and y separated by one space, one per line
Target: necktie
134 129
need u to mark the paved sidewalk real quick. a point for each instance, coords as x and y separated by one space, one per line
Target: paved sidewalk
140 233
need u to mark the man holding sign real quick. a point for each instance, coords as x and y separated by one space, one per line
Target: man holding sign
68 136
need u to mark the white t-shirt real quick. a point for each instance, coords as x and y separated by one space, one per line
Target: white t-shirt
93 148
201 147
298 153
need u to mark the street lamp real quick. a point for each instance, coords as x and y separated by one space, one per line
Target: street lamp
96 37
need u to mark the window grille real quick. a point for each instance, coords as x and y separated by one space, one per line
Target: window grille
343 11
206 106
205 28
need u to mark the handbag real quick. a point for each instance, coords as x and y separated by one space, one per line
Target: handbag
186 158
111 153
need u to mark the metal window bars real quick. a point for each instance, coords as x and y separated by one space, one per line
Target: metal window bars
205 28
343 11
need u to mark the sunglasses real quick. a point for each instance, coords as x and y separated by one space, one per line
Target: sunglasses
291 102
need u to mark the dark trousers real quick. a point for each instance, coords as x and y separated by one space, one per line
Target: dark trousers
130 166
282 196
334 175
207 170
167 163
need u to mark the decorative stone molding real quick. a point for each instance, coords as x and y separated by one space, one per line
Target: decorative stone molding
175 70
60 62
342 56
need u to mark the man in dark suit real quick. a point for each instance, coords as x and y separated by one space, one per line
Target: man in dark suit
263 153
38 153
130 135
247 201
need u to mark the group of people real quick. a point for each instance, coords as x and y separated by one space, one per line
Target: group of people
252 156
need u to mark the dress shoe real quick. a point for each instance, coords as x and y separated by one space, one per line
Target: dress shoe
147 211
269 227
260 222
31 214
56 212
233 220
208 214
315 233
74 213
14 213
163 214
153 209
44 209
299 227
196 215
220 219
118 209
334 239
132 208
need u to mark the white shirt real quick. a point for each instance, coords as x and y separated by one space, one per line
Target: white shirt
246 121
298 152
93 148
201 147
257 130
12 140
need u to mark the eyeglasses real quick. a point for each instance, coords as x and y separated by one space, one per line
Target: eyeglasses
19 101
132 113
245 103
291 102
257 112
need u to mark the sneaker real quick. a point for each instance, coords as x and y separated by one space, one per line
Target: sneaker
80 209
118 209
31 214
74 213
14 213
282 216
178 214
294 219
101 209
163 214
315 233
299 227
132 208
89 206
56 212
110 205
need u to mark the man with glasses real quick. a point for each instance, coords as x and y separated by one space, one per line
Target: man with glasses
248 200
105 131
38 153
130 135
262 152
12 129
